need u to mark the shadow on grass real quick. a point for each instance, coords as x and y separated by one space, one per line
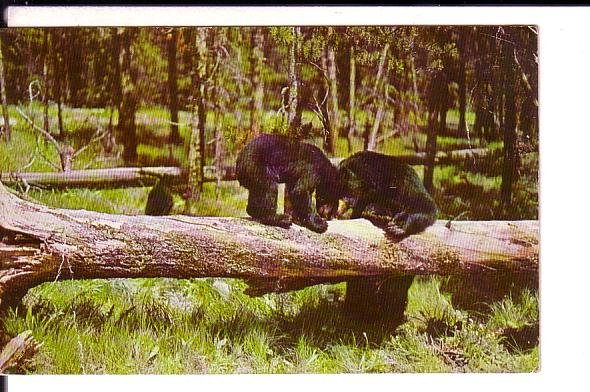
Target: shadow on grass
476 292
521 339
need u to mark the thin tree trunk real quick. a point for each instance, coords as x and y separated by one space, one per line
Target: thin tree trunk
57 41
462 83
372 144
116 84
415 108
171 46
127 127
333 101
197 141
510 152
219 41
430 151
380 69
219 151
44 55
257 61
371 138
6 131
294 117
295 110
351 100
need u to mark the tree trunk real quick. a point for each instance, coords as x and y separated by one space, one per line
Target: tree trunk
430 151
220 103
57 46
462 83
6 129
380 70
378 299
371 139
415 97
197 154
295 109
256 62
509 168
202 60
333 114
41 244
219 151
351 100
74 65
171 43
116 84
372 144
44 55
294 117
126 126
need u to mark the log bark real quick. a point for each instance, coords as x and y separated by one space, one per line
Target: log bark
40 244
148 176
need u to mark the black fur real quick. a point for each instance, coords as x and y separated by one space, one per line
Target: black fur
159 200
388 191
269 160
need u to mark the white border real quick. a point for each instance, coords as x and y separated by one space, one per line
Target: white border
252 16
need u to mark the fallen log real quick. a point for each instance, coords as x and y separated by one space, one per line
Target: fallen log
40 244
121 177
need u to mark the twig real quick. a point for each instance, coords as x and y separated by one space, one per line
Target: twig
323 71
31 96
93 140
57 168
39 129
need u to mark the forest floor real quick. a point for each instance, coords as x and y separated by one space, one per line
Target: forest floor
174 326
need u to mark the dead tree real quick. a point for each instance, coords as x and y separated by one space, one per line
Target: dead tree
40 244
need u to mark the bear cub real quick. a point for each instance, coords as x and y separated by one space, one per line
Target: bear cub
387 192
268 160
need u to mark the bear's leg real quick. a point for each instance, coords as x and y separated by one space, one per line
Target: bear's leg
262 205
370 299
304 210
405 224
358 207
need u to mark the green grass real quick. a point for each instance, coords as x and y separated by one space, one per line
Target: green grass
208 326
168 326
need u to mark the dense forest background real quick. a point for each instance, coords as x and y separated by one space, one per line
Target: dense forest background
83 98
392 89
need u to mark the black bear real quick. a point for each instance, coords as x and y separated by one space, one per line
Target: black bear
269 160
390 194
389 191
160 199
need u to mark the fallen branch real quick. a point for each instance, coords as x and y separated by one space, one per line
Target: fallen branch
110 178
42 244
18 350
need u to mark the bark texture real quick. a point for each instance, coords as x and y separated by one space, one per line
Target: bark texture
40 244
